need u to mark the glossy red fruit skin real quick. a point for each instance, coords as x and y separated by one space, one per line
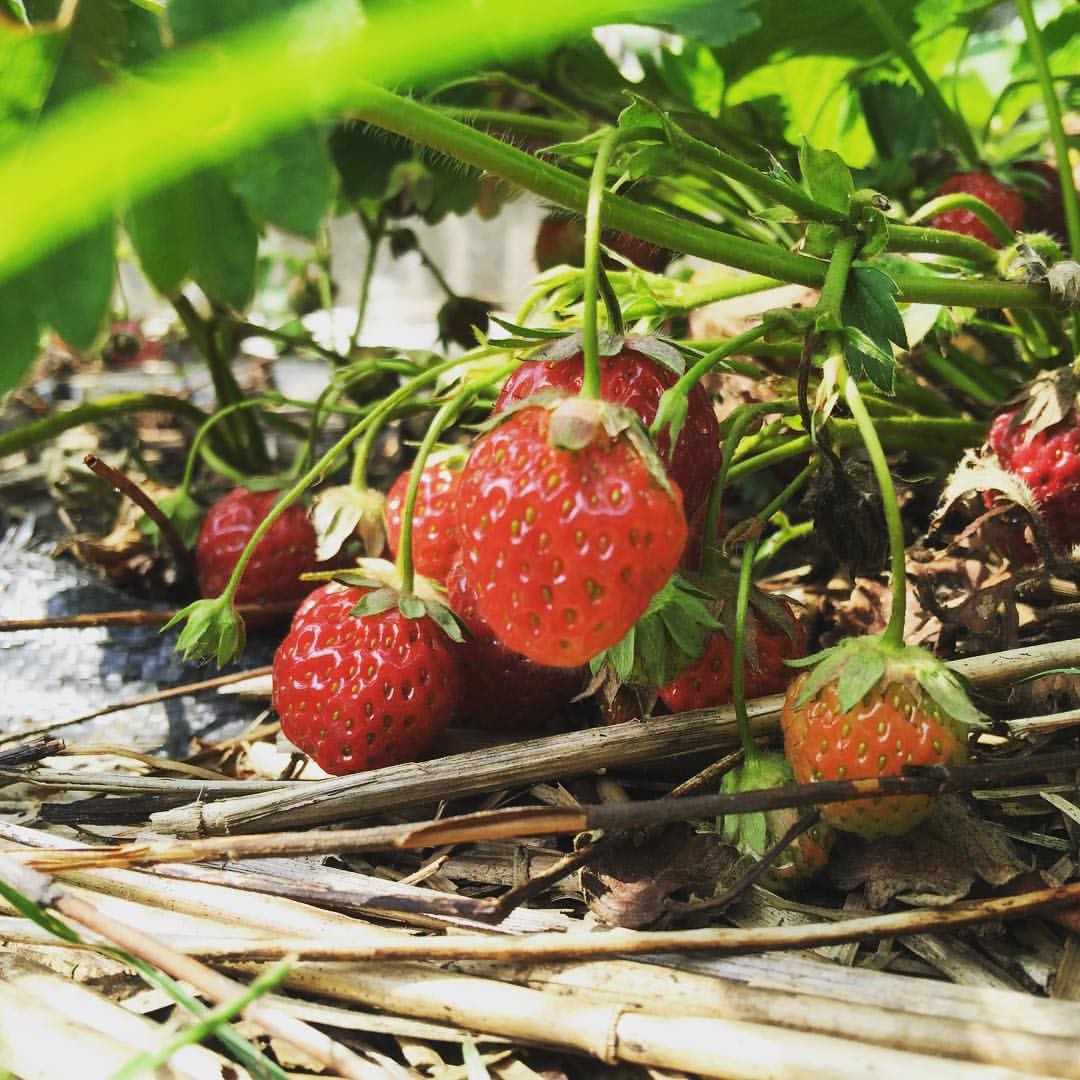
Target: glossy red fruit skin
272 574
709 682
892 727
501 690
361 693
435 531
1049 463
1005 200
564 548
632 379
561 240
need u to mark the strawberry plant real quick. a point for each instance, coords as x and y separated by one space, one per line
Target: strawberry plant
788 269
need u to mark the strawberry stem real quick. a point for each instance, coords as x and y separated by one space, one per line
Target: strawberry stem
1053 117
738 652
374 230
590 383
318 471
894 631
961 200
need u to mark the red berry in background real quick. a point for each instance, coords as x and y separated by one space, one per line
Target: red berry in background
565 547
709 682
501 690
359 693
893 725
560 240
281 556
435 531
637 381
1049 463
1044 205
1006 201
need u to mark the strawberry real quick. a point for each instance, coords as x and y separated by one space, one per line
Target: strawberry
629 377
1038 440
560 240
359 691
501 689
868 709
435 531
1005 201
281 556
754 834
708 682
569 526
1044 206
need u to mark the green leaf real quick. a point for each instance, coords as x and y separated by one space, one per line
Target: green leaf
365 158
826 176
183 512
859 676
446 620
864 355
192 20
900 120
225 241
375 602
412 607
286 182
621 655
870 309
712 24
26 67
71 288
163 231
19 335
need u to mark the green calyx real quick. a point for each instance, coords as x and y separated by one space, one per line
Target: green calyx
666 640
859 666
576 422
385 591
750 833
214 629
656 348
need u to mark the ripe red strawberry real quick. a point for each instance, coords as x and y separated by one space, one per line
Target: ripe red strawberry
868 710
561 240
501 690
1004 200
1047 459
567 528
708 682
754 834
360 692
281 556
435 531
637 381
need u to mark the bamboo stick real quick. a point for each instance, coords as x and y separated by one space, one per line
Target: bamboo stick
734 1050
32 992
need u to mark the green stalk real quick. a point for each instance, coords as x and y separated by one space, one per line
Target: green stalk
951 121
445 418
700 368
776 191
244 431
519 123
430 128
93 412
1053 118
914 238
204 431
321 467
959 200
374 231
836 277
590 382
785 496
738 653
894 631
361 456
